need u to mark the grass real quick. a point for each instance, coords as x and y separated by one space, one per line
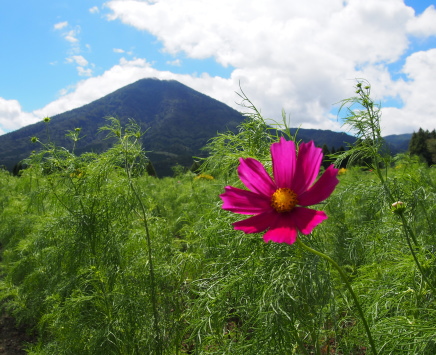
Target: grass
102 259
76 266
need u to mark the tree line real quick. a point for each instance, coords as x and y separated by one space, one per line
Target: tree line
423 144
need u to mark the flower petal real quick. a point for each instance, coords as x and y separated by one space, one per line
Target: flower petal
322 189
255 177
243 201
307 219
258 223
283 159
309 161
283 230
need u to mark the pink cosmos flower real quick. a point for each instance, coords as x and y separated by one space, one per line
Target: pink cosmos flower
279 204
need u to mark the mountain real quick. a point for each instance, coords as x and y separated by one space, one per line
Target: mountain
321 137
177 120
398 143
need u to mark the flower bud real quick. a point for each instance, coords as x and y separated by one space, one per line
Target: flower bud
398 207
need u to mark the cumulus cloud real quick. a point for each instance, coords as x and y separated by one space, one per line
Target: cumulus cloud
176 62
81 64
78 59
417 93
425 24
71 36
302 57
12 117
94 10
84 71
60 25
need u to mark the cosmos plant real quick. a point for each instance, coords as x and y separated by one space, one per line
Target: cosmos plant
279 204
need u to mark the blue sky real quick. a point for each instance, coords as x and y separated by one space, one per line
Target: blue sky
302 57
34 67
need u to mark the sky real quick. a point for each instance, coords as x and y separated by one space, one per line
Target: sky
302 57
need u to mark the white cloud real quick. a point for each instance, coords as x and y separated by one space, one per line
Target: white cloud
418 95
75 49
118 50
94 10
425 24
71 36
60 25
78 59
176 62
81 64
12 117
84 71
300 56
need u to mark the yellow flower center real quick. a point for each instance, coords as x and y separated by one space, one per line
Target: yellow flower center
284 200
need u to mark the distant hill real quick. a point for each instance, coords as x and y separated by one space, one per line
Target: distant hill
320 137
178 122
398 143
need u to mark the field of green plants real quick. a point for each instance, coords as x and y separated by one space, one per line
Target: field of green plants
102 258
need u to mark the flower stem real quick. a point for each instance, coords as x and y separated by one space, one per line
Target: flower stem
409 233
407 230
143 214
344 278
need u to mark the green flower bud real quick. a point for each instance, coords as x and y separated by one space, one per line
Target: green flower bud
398 207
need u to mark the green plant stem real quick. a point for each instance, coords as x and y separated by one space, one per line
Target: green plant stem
407 231
143 214
151 269
344 278
412 251
410 235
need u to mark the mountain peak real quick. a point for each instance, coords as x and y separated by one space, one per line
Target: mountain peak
178 122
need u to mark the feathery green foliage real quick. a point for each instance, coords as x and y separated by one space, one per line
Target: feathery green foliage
102 258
